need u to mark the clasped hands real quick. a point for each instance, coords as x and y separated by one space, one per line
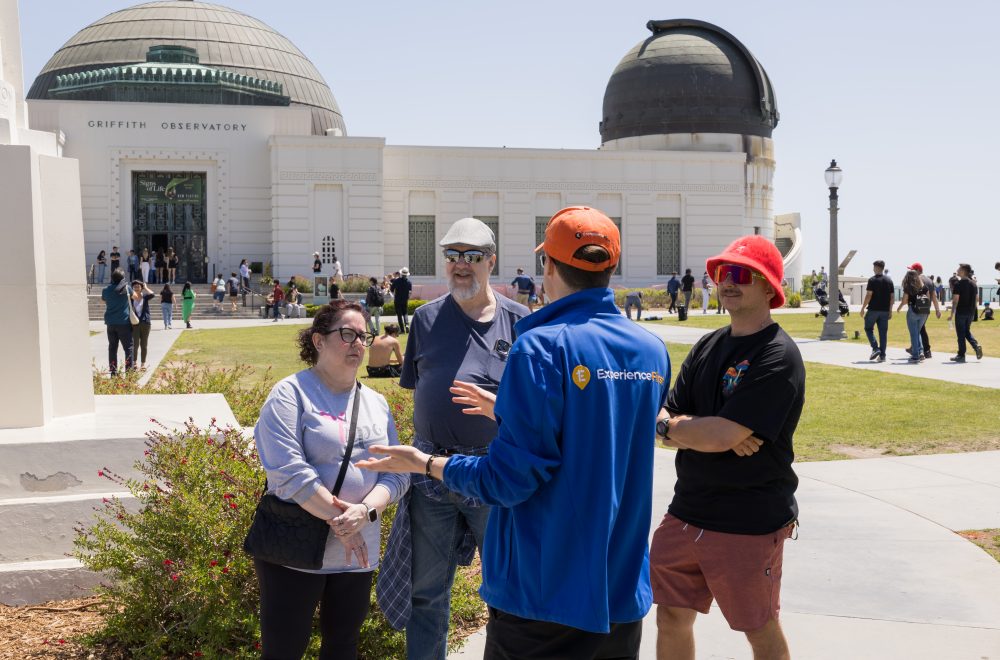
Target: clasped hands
347 528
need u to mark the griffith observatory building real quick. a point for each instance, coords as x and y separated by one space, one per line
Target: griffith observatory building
201 128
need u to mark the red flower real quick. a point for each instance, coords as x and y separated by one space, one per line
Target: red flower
213 563
232 505
225 569
228 496
174 576
198 654
256 645
105 500
184 461
62 641
168 562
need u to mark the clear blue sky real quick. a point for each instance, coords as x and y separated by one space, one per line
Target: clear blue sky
903 95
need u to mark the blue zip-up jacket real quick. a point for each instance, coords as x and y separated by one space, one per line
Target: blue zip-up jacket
570 473
116 299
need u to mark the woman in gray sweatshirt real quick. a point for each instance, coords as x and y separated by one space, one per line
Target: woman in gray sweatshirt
301 437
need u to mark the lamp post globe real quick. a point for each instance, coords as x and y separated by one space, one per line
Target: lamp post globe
833 324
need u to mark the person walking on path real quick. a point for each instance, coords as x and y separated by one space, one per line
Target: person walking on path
277 300
116 298
187 303
706 292
673 286
633 299
233 285
464 335
173 261
876 310
565 569
374 300
400 288
167 305
687 288
102 266
964 308
917 298
928 282
141 295
732 415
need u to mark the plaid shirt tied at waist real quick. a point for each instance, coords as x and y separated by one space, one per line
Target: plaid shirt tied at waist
395 583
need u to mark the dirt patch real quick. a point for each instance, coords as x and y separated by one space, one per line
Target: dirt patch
51 630
987 539
858 452
183 351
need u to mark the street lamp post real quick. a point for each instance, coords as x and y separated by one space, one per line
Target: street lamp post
833 325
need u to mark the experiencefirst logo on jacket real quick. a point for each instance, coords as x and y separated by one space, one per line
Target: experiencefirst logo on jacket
581 375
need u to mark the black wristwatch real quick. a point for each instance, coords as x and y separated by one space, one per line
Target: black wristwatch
662 427
372 513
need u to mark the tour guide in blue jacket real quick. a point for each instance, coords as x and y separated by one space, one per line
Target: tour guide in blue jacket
565 559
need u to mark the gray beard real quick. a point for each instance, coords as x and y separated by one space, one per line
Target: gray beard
464 293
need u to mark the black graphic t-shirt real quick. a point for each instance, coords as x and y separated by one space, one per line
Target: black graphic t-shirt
757 381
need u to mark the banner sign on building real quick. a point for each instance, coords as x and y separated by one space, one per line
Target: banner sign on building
162 188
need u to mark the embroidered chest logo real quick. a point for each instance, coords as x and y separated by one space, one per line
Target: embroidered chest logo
581 376
733 376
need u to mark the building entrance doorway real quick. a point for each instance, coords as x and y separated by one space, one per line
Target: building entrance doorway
168 211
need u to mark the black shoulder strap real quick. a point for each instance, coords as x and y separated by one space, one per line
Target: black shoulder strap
350 441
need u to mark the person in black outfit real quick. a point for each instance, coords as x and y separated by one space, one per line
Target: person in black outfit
687 287
400 288
963 309
116 258
732 414
880 296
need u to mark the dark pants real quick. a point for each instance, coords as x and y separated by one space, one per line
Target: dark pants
673 303
510 637
924 339
140 339
878 319
963 329
288 600
120 334
404 326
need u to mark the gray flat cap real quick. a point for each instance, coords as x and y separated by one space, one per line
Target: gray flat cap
469 231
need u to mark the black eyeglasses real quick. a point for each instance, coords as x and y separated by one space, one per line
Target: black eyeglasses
349 336
468 256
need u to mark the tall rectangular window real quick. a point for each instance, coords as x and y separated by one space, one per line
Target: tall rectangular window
422 251
621 238
668 245
493 222
541 222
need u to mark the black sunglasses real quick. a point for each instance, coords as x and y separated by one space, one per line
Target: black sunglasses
349 336
468 256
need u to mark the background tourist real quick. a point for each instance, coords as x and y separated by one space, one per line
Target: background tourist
301 437
161 266
928 283
917 299
338 273
384 357
401 288
102 267
172 262
633 299
706 292
876 309
218 292
167 304
522 287
374 299
115 258
317 264
187 303
673 287
294 307
963 308
687 288
244 275
144 264
277 300
141 295
132 261
116 319
233 286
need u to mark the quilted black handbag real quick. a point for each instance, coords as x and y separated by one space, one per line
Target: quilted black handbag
283 532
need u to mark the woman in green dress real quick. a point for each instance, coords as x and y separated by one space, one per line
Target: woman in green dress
187 304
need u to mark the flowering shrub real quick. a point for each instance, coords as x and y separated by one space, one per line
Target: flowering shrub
179 583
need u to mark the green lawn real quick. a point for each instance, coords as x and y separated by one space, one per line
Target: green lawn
841 418
942 338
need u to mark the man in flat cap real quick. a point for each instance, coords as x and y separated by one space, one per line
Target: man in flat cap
465 336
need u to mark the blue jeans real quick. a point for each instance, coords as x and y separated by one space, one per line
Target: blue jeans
436 534
102 270
168 314
881 319
963 328
914 322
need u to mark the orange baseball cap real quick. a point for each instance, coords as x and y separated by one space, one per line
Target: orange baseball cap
575 227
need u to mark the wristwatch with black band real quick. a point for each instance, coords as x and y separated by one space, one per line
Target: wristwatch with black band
663 427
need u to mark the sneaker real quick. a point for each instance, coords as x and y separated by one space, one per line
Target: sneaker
979 352
875 354
915 360
927 354
880 358
958 358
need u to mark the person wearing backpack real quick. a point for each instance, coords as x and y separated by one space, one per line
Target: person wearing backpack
234 289
374 299
918 297
925 340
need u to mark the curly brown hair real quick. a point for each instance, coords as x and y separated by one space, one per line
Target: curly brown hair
326 318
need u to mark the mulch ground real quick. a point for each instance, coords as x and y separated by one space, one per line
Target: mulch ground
51 630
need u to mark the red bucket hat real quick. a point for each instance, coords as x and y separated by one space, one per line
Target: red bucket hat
760 254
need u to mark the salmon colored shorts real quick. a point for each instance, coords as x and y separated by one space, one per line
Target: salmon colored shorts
689 566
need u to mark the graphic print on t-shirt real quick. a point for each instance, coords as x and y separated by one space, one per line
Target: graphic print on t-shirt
732 377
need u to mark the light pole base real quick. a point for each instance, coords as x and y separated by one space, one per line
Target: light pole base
833 328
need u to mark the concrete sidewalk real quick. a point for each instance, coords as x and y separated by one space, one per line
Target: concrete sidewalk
984 373
877 572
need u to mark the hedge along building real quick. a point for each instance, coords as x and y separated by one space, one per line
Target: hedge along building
201 128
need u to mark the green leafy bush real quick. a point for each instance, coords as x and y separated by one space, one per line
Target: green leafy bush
354 284
794 300
389 308
179 583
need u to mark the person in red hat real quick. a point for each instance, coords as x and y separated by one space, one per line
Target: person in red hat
731 415
926 281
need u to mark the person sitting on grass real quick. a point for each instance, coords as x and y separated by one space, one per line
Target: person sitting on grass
382 352
987 314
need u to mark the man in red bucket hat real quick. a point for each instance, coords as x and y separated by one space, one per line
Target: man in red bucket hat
731 415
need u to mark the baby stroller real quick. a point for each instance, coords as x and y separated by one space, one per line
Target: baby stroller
824 300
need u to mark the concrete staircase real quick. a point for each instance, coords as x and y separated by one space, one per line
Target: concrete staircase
49 483
203 306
